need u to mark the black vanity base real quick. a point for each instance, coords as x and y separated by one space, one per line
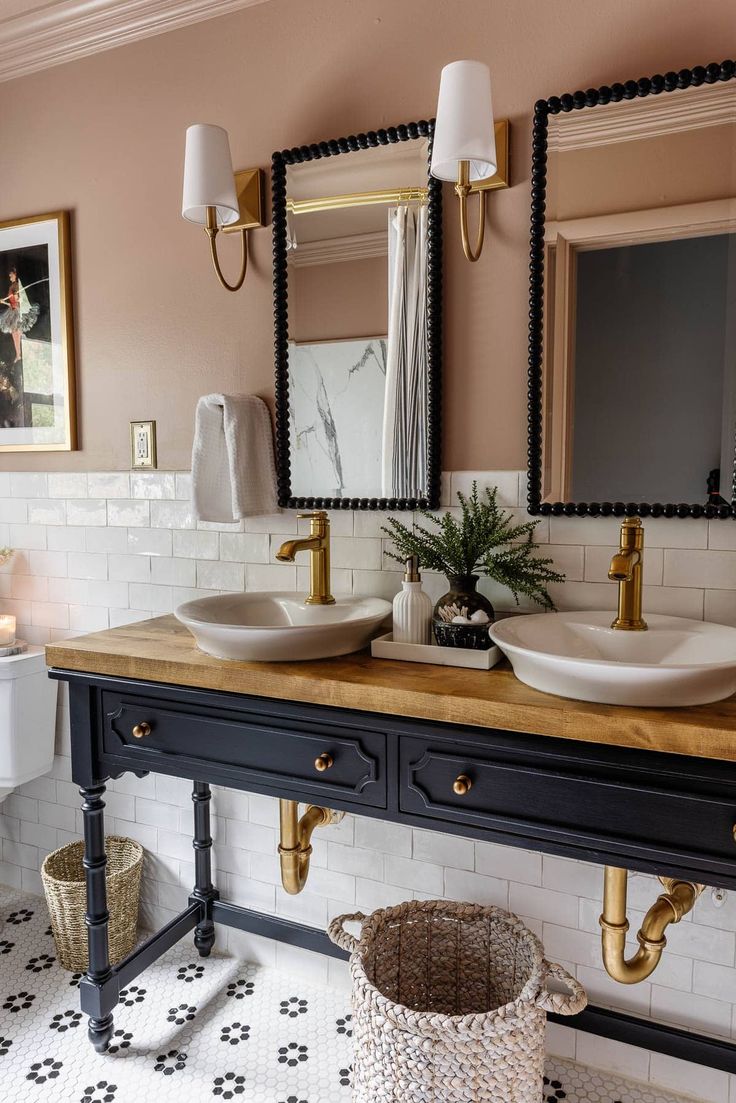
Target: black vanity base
642 810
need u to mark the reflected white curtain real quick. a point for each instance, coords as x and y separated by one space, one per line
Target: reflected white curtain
404 461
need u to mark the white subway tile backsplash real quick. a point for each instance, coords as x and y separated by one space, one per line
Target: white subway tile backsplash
172 515
13 511
359 555
46 511
707 1085
143 541
616 1057
157 599
692 568
108 593
28 484
216 575
129 568
88 618
269 576
388 838
28 537
86 511
716 981
66 539
447 850
461 885
539 903
87 565
129 512
193 544
153 484
174 572
411 874
108 484
698 1013
107 540
508 863
720 606
243 547
68 484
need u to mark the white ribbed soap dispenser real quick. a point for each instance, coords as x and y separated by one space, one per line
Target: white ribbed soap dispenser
412 608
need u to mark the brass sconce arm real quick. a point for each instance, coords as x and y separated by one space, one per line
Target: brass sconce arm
668 908
295 847
212 230
462 190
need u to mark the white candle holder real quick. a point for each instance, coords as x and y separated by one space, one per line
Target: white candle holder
7 630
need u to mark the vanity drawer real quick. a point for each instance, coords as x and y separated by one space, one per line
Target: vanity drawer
269 749
649 807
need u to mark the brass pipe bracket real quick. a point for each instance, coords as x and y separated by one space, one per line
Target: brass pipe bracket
669 907
295 846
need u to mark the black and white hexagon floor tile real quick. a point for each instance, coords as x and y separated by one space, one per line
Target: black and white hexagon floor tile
189 1031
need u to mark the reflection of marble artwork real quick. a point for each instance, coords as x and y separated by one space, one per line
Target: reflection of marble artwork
336 399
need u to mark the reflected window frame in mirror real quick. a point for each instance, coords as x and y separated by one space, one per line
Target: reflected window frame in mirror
279 217
712 74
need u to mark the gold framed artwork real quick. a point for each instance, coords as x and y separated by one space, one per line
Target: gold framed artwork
142 444
37 381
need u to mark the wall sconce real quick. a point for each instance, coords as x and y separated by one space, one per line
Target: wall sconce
217 198
468 148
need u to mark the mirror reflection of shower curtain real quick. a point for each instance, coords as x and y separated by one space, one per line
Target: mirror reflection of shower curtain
404 461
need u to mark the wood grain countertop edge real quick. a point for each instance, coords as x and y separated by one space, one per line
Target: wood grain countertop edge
161 650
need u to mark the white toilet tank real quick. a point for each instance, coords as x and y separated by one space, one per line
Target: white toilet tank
27 719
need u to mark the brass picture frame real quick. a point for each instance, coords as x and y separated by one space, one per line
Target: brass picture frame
37 362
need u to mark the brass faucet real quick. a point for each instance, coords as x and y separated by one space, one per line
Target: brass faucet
626 569
318 546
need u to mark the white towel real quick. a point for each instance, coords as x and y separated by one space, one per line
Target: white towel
233 469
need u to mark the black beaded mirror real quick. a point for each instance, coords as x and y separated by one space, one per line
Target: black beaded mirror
357 278
632 317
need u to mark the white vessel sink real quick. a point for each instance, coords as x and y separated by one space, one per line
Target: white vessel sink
676 662
272 627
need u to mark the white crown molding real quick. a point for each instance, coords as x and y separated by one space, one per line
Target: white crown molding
654 116
335 249
71 29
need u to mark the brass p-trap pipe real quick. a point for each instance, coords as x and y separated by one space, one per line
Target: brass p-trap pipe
295 847
668 908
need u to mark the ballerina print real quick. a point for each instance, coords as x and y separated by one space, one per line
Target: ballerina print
20 314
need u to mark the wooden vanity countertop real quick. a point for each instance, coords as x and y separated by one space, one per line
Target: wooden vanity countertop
162 650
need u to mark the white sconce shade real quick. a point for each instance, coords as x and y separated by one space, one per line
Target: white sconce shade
208 176
464 130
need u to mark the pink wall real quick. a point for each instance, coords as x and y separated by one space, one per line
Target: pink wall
104 137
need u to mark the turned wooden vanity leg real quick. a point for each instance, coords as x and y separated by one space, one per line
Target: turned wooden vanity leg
204 932
97 915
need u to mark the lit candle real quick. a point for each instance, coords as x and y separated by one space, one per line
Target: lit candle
7 631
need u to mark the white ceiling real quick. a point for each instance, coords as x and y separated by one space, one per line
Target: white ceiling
36 34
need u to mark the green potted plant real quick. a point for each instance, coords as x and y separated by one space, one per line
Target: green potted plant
485 540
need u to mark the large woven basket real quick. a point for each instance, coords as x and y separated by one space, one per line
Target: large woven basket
63 880
449 1004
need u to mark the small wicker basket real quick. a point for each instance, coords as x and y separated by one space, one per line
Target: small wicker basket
449 1004
62 874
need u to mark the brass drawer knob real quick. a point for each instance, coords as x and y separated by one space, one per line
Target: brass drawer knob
140 731
462 785
323 762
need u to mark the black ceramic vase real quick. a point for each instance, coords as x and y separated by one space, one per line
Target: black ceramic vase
453 621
